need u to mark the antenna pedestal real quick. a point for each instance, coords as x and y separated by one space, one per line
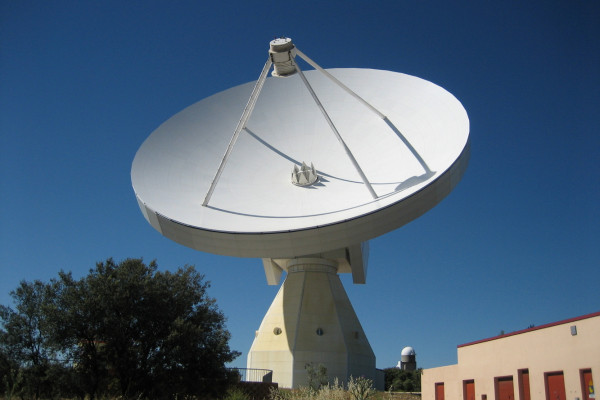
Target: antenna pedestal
311 321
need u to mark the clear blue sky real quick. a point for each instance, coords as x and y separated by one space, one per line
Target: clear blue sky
83 83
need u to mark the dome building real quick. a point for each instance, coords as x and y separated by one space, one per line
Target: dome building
408 359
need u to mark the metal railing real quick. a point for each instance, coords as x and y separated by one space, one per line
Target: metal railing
254 374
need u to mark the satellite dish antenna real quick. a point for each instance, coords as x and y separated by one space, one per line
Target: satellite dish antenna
318 163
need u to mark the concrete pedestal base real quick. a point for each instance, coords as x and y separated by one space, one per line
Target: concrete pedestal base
311 320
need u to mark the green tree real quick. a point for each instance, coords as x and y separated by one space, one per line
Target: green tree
316 376
26 352
78 320
124 330
138 332
11 375
399 380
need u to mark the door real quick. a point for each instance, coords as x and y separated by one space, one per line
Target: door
587 385
439 391
555 386
469 390
524 391
505 389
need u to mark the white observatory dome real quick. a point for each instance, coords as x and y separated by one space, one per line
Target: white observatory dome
408 351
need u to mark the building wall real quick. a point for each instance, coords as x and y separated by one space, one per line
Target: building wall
540 350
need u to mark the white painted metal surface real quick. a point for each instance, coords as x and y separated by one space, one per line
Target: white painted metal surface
255 211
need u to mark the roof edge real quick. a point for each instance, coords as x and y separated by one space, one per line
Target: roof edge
535 328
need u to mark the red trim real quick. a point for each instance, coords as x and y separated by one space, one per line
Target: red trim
535 328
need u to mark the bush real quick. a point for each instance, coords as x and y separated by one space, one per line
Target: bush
236 394
399 380
317 376
360 388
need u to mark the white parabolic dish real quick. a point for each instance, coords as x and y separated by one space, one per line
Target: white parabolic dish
255 210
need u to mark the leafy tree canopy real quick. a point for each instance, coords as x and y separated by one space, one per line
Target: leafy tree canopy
398 380
125 329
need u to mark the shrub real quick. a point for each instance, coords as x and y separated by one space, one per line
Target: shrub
360 388
236 394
